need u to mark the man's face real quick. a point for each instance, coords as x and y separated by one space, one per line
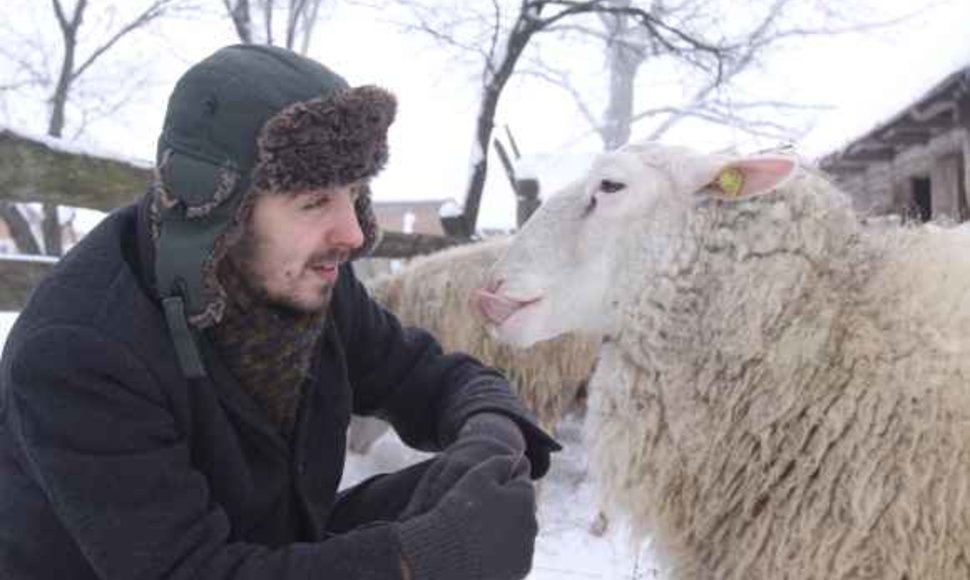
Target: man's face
295 242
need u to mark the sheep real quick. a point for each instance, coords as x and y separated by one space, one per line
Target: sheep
435 293
782 392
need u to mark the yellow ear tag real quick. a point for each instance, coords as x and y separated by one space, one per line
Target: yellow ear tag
730 181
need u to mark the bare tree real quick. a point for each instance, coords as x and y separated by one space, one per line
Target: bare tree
72 66
710 44
300 19
713 100
503 33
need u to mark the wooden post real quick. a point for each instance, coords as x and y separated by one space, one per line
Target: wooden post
963 118
945 175
527 197
526 190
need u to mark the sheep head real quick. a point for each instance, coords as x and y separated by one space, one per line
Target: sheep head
573 262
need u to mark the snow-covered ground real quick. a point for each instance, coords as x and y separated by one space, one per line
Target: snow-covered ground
565 549
6 321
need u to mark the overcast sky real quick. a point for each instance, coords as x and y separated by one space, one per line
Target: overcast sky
865 78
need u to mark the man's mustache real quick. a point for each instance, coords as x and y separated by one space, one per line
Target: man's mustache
327 258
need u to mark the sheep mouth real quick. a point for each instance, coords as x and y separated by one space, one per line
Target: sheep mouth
497 308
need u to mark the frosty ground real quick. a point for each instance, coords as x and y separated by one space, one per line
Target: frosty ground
565 548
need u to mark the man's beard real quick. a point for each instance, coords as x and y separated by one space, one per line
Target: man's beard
244 256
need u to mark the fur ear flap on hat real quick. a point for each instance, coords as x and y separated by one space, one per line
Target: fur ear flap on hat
368 224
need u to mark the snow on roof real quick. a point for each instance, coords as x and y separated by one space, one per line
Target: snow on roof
449 208
921 119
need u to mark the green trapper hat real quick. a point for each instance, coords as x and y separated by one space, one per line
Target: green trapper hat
250 117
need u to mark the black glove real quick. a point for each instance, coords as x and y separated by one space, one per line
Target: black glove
483 436
538 444
539 447
483 528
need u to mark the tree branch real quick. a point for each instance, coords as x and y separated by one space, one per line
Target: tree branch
156 9
241 19
268 20
561 80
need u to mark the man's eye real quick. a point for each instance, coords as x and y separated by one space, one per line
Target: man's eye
315 203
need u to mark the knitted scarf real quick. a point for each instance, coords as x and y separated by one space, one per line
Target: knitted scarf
268 349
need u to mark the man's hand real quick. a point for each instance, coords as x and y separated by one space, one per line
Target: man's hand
482 437
483 528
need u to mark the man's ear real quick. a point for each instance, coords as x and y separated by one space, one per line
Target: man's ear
744 178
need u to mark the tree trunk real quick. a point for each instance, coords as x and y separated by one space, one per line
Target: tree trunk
623 59
51 226
492 91
309 23
242 20
19 228
55 126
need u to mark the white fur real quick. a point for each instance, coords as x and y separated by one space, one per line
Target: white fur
784 393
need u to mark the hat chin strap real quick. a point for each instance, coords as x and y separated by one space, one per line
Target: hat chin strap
180 286
186 347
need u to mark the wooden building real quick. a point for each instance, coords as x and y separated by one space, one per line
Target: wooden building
410 217
916 164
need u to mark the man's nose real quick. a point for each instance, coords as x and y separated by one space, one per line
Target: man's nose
346 230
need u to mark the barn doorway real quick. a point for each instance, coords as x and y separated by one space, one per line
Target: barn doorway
922 199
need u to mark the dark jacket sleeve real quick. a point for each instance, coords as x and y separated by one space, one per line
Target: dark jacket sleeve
401 374
99 438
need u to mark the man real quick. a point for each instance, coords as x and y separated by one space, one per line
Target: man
175 395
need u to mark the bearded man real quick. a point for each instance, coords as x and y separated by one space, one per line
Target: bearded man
174 398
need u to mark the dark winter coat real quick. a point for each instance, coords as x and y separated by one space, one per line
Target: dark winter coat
114 466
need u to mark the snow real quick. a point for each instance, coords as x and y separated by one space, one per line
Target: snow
6 321
29 258
449 208
58 144
566 548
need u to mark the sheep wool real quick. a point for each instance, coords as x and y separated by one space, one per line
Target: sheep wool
785 392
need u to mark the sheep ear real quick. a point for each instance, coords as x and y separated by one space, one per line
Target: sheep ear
750 177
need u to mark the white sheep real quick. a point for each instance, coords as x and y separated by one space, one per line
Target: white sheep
783 393
435 292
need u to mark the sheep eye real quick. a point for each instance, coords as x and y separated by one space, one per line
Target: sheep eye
607 186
